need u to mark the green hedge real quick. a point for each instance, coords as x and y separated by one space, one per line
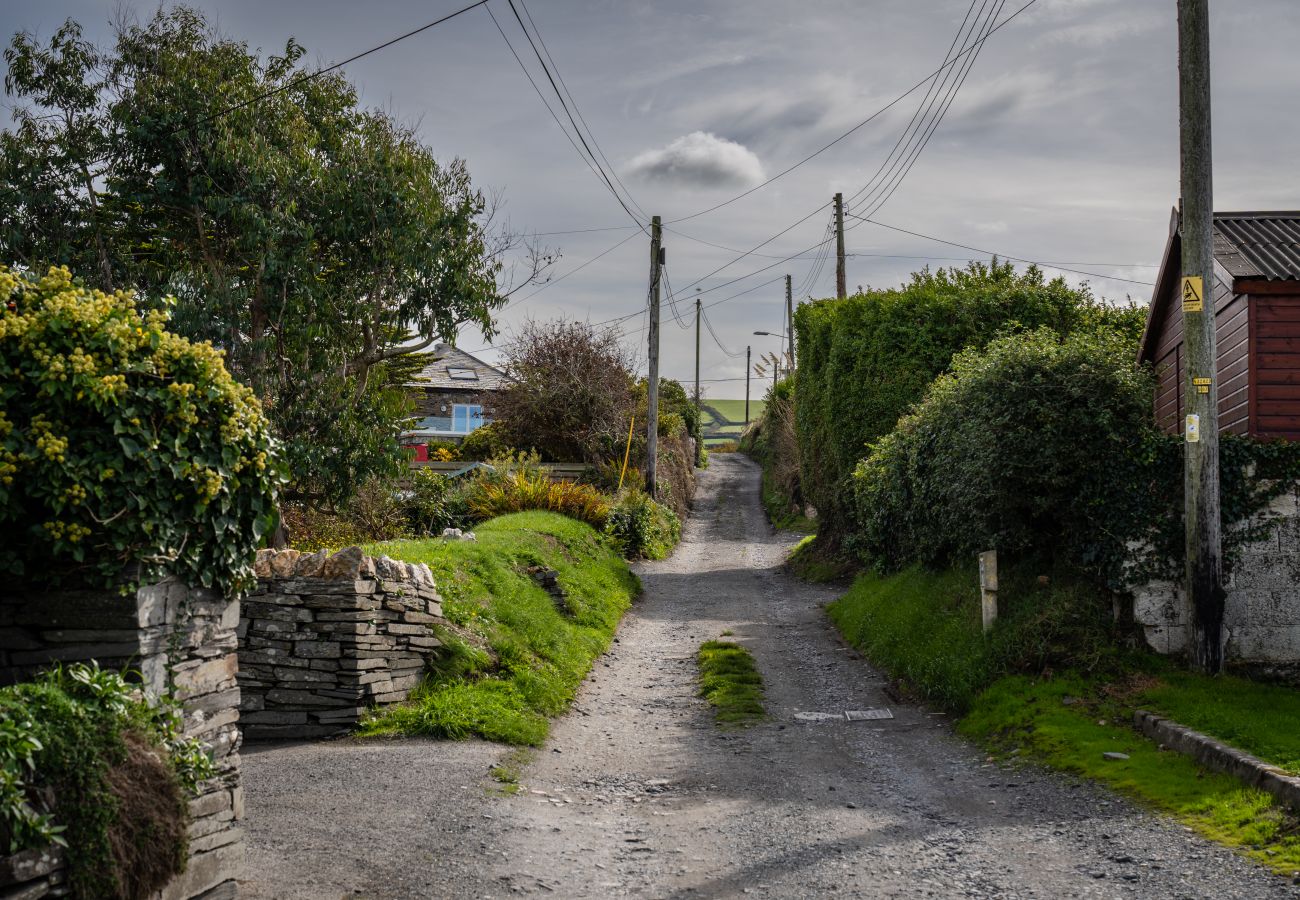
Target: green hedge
1035 445
1044 447
864 361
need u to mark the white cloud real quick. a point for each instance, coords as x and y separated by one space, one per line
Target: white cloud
699 159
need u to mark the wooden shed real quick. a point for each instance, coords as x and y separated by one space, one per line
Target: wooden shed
1256 295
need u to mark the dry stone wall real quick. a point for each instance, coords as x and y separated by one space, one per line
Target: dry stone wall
1262 610
324 638
182 640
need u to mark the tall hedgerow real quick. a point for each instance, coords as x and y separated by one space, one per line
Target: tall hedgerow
123 444
864 361
1044 448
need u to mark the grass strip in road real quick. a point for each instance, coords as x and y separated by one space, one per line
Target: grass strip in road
509 768
1049 684
730 682
513 656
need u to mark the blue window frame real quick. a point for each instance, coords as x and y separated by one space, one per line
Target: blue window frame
465 417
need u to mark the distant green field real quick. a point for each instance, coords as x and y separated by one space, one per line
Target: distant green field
734 410
724 420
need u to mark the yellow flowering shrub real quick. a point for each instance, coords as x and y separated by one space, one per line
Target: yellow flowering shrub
123 444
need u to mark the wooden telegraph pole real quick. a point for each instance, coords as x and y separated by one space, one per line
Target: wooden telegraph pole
789 321
841 290
1201 428
699 424
652 411
747 367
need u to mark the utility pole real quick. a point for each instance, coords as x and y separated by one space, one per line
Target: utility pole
841 290
1201 428
789 319
747 367
699 424
652 412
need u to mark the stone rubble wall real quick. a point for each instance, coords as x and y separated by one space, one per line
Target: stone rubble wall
324 638
182 640
1262 614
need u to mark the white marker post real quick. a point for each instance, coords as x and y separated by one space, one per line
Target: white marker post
989 588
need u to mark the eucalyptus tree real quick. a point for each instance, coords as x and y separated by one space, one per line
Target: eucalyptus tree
314 240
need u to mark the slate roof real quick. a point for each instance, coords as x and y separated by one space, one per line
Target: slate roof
451 369
1258 244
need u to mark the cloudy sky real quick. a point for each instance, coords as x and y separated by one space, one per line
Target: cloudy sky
1061 145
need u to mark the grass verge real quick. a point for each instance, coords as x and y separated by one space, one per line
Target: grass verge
730 682
781 513
512 656
811 562
1069 722
1049 684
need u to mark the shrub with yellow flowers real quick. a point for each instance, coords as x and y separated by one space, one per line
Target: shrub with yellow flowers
125 449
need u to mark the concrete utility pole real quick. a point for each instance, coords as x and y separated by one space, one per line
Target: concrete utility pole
1201 428
699 424
747 366
789 319
841 289
652 412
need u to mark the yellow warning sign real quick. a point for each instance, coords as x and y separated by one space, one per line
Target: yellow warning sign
1193 294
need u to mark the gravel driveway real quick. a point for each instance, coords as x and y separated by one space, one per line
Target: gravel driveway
637 793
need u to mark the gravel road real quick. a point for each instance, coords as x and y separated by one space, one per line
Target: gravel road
637 793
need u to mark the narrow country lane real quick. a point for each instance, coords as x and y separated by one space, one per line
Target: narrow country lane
637 793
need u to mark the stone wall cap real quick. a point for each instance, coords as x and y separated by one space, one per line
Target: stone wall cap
348 564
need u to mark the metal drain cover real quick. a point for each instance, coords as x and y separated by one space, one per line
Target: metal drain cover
865 715
818 717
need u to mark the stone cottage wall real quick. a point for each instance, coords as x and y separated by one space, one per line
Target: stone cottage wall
180 639
1262 615
325 638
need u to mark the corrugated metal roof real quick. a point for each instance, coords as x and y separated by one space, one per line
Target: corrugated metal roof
453 369
1258 244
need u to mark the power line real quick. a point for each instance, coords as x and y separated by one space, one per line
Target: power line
338 65
923 108
913 148
870 118
931 237
584 230
944 106
716 339
572 271
593 163
757 246
537 31
302 79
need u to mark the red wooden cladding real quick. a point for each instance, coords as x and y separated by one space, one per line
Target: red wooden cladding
1271 311
1279 391
1277 363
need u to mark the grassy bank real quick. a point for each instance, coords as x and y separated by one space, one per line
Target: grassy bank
1050 685
731 683
514 654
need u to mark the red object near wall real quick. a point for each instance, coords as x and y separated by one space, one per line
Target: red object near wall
421 452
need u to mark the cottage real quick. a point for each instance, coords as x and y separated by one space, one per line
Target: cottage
1256 295
454 394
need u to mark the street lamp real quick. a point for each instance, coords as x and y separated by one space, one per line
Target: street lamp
776 366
